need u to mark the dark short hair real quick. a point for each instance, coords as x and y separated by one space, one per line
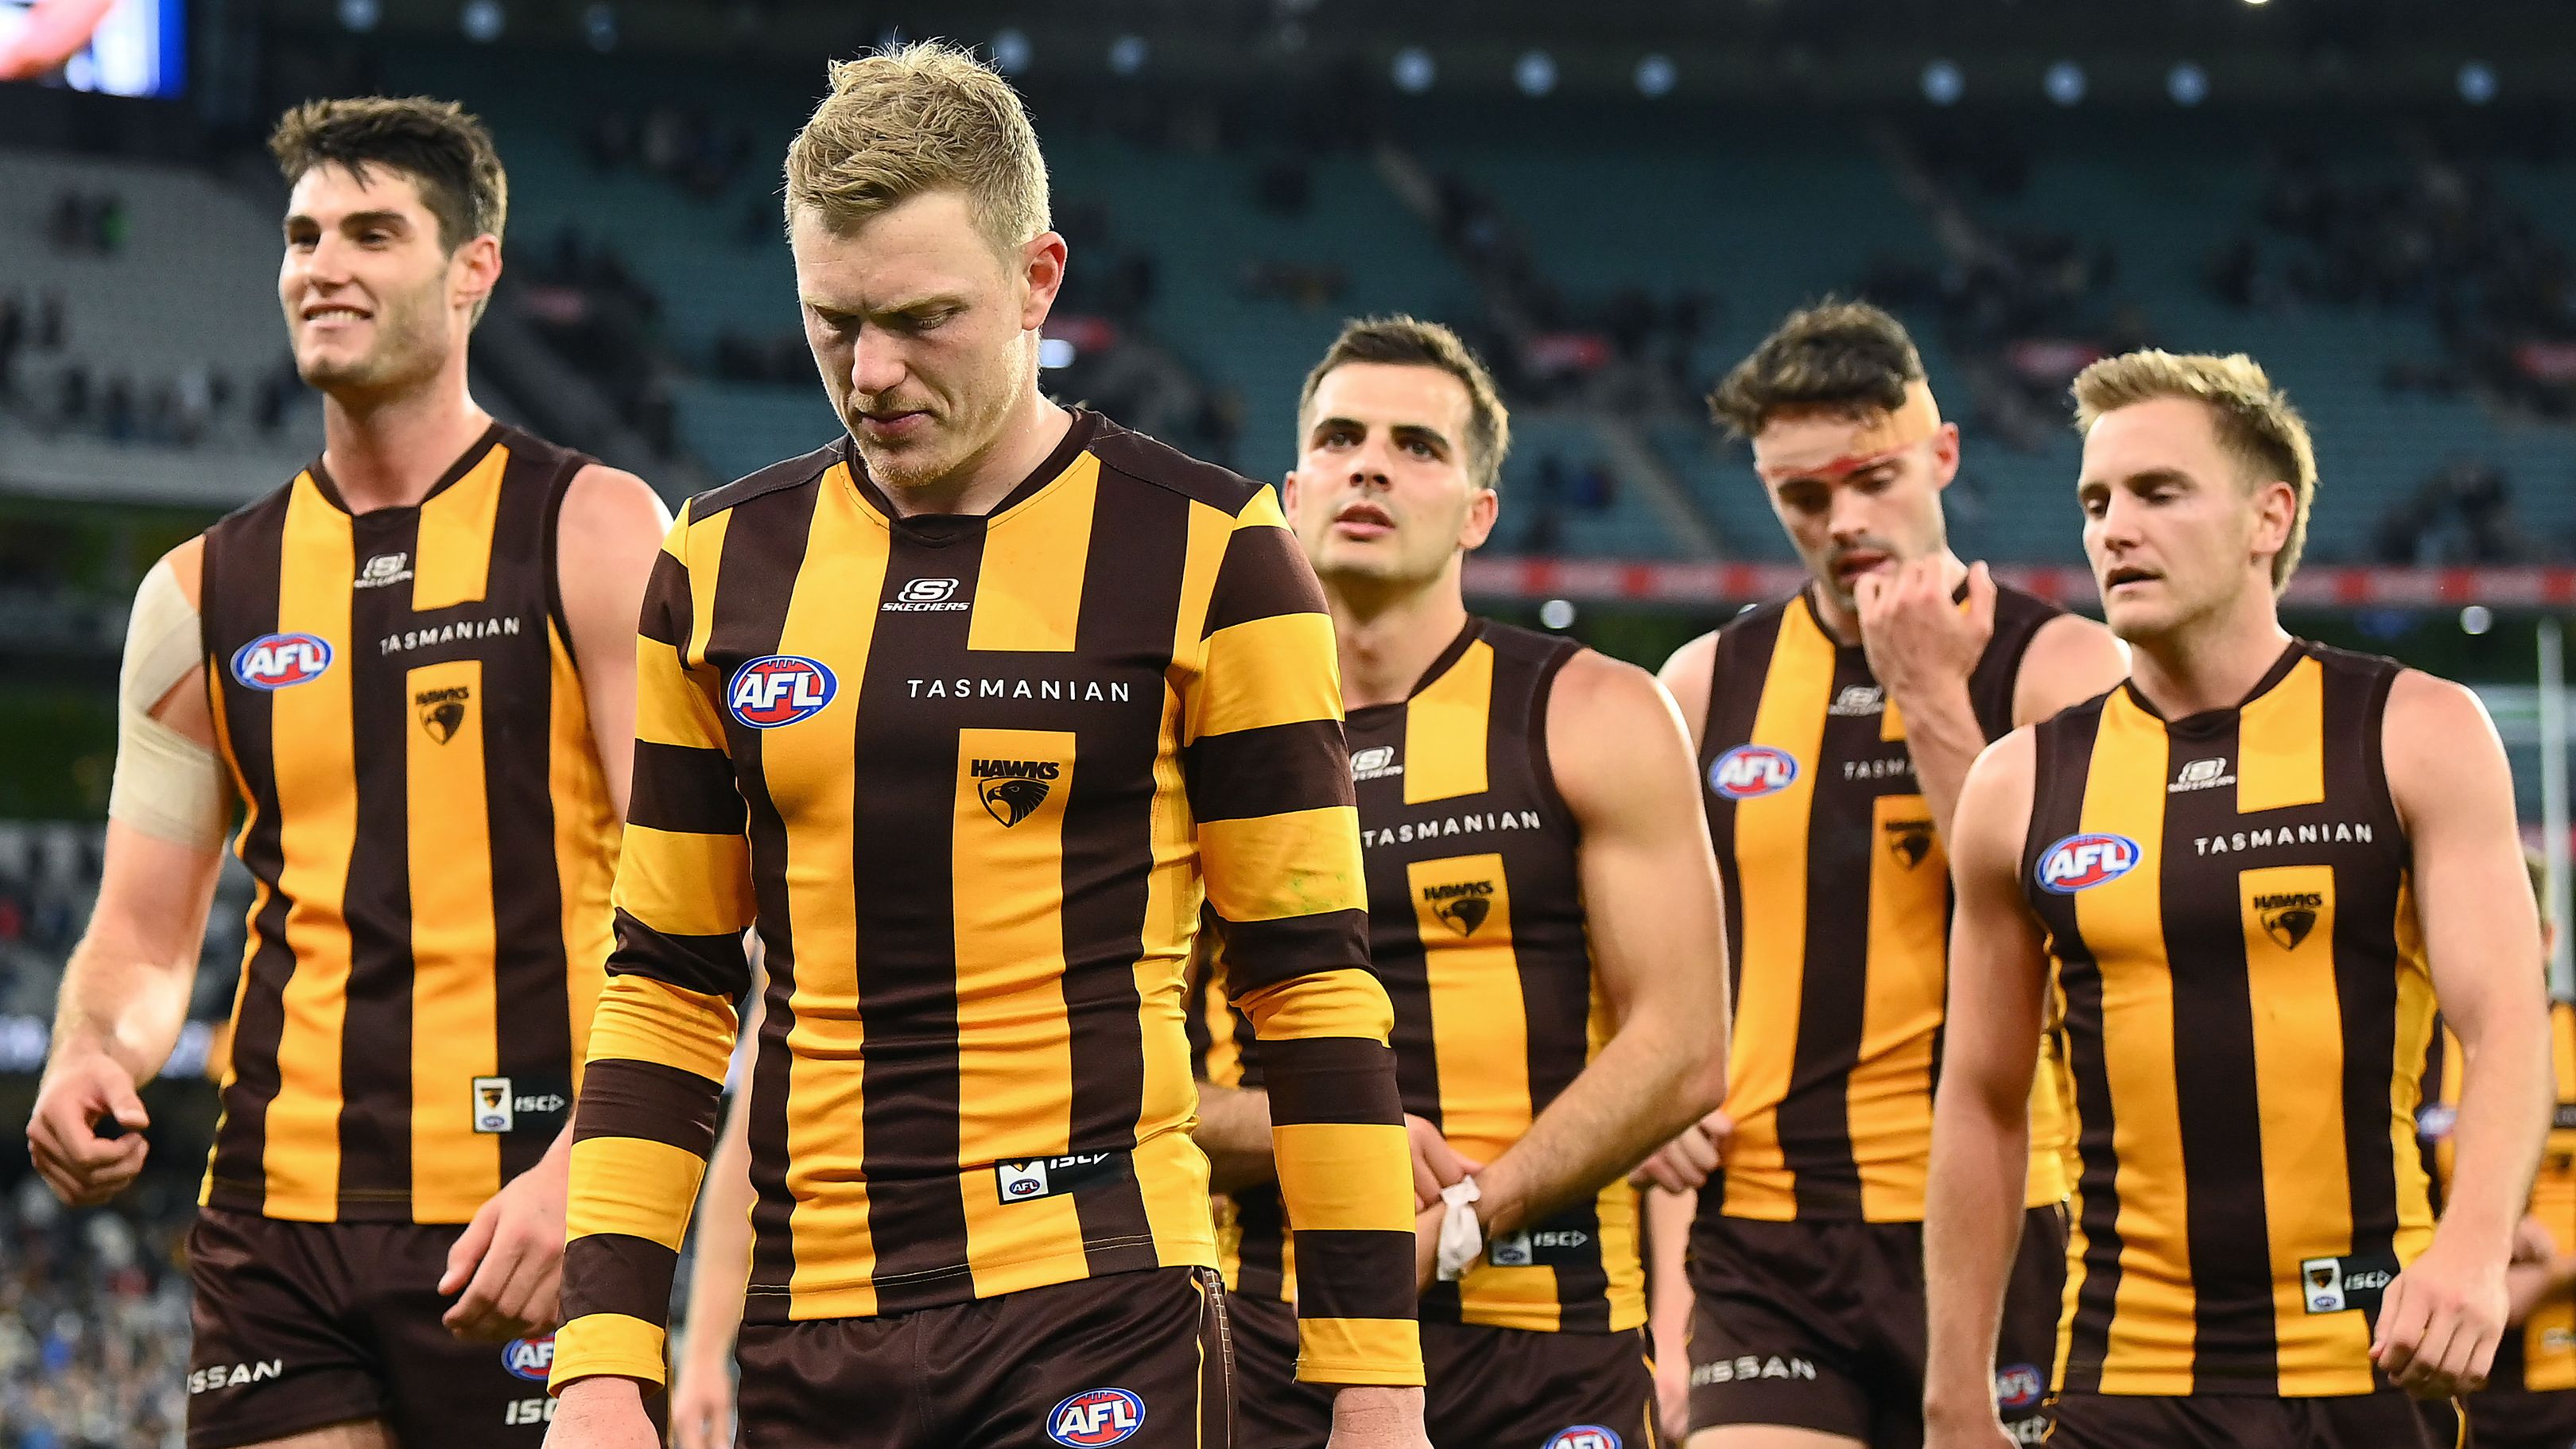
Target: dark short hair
1411 342
447 154
1834 357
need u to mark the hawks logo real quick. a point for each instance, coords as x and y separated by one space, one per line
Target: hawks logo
1910 841
779 690
1013 789
1461 907
1749 772
442 711
2288 918
2081 862
275 661
530 1358
1096 1417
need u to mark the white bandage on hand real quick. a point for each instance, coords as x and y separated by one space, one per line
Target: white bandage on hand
1462 1238
166 785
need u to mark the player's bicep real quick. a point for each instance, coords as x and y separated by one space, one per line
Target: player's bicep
2453 789
153 897
1998 954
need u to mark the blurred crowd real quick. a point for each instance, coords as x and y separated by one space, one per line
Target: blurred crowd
94 1318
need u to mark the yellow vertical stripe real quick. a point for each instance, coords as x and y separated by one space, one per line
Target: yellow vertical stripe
586 839
808 770
2289 915
454 1027
1770 867
1170 929
2416 1017
2549 1334
2122 922
1030 596
220 1064
1479 1023
454 562
1444 730
2280 741
1015 1084
317 802
706 555
1888 1096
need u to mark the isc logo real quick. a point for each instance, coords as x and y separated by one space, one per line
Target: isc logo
1584 1436
1095 1417
1749 772
2081 862
779 690
530 1358
274 661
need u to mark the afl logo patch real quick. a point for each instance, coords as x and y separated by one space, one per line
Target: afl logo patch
2081 862
1095 1417
1584 1436
1749 772
530 1358
2019 1387
779 690
275 661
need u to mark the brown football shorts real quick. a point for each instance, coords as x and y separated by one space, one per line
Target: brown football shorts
1132 1359
2212 1421
299 1325
1819 1325
1490 1388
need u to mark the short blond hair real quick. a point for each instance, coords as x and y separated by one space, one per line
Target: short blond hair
2254 419
1403 341
918 118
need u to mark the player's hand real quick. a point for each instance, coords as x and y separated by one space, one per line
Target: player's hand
80 1094
702 1404
1426 1244
601 1413
509 1260
2532 1243
2440 1321
1683 1165
1435 1163
1916 637
1372 1417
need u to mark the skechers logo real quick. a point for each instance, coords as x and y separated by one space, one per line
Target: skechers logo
1374 763
1461 907
1859 699
2201 775
1013 789
1749 772
779 690
2081 862
382 570
277 661
926 596
2288 918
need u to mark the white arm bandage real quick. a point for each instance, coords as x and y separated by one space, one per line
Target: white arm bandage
167 785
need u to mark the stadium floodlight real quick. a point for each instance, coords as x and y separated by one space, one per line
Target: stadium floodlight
1127 54
2188 84
1943 83
2257 2
1054 352
599 24
2477 82
1415 70
1656 75
361 15
2065 83
2476 619
1535 73
1011 51
1557 614
483 20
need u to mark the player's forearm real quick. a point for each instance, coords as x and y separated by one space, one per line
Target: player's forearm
118 1001
1668 1292
2506 1091
723 1267
1971 1225
1647 1083
1234 1132
1943 738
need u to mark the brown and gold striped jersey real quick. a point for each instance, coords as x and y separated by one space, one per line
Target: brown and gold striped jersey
2540 1356
973 778
1476 926
2227 902
395 696
1837 920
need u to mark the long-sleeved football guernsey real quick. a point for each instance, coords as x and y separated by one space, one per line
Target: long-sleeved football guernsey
972 778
